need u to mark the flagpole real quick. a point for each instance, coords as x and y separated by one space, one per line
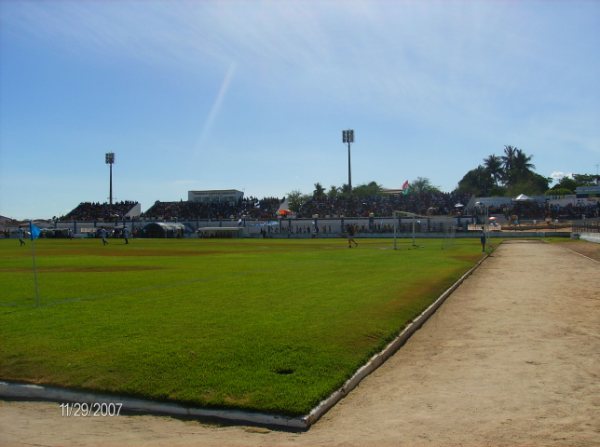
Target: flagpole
35 278
395 232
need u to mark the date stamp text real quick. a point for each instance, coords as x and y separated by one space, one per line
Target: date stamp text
90 409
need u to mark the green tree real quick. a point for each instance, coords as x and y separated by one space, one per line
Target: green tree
296 199
508 162
558 191
477 182
366 190
423 184
522 165
585 179
566 184
319 192
504 175
531 184
493 166
333 192
517 166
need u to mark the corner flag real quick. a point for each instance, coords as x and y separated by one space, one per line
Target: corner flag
34 231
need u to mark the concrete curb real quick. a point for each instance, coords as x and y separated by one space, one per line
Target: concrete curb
590 237
378 359
24 391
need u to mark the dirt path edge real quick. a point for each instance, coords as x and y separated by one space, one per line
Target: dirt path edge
26 391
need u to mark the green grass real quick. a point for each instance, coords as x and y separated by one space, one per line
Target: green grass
266 325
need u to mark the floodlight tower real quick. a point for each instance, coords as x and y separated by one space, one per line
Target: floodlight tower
110 159
348 137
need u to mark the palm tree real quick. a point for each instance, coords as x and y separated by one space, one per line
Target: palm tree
346 189
522 163
493 165
333 192
517 165
508 161
319 192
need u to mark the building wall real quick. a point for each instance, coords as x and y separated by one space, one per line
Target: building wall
218 195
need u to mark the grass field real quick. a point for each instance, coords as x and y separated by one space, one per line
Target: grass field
266 325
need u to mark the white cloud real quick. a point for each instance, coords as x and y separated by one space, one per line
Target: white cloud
216 107
559 175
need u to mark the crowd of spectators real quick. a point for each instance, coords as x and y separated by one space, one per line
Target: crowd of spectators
250 207
100 211
431 203
424 203
538 210
570 211
576 211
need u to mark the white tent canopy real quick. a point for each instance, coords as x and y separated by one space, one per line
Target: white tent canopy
522 198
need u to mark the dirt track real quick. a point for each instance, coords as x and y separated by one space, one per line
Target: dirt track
511 359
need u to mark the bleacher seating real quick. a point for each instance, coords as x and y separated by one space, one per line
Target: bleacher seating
87 211
250 207
430 203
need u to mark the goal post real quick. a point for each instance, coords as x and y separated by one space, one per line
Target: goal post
449 236
414 219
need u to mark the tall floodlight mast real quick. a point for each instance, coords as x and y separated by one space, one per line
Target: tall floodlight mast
348 137
110 159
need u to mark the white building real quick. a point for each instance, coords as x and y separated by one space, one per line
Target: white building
230 196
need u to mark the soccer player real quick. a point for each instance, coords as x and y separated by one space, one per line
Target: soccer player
350 231
126 235
21 233
103 236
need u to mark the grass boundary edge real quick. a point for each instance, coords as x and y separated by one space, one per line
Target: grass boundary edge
378 359
26 391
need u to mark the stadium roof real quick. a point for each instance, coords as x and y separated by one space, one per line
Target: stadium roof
167 225
228 229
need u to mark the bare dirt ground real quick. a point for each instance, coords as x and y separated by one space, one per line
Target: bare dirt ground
588 249
511 359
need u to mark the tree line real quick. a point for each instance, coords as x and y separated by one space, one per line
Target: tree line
512 173
320 194
508 174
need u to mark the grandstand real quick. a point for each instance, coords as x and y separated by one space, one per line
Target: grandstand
540 207
88 211
248 207
6 220
324 215
427 202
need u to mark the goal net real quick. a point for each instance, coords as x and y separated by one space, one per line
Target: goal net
406 223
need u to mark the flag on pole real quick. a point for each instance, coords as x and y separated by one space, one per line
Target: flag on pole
405 187
34 231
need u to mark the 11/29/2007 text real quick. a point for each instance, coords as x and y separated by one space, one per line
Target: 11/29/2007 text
85 409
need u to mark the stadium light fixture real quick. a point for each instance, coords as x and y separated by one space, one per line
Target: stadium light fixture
348 137
110 159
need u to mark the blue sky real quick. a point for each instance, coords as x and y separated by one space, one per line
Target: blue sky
254 95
